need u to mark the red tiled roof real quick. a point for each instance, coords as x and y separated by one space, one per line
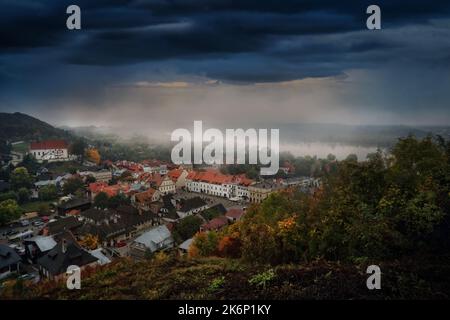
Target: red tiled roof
152 163
216 177
175 174
48 144
97 187
145 196
215 223
235 213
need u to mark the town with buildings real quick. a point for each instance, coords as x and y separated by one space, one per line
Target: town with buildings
107 210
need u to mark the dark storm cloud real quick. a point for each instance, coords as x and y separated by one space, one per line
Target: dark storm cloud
236 42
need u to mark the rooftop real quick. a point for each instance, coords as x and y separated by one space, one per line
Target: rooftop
48 144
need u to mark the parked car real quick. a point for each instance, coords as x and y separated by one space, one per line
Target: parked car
38 223
25 222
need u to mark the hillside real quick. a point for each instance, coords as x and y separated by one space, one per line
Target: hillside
18 126
170 277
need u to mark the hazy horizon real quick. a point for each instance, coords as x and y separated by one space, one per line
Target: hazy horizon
157 65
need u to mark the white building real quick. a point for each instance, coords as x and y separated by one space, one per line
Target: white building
217 184
50 150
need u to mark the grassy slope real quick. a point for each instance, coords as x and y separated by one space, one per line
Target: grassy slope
177 278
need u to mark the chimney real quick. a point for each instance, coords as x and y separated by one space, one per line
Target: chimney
64 246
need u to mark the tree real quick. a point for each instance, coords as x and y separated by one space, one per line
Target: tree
48 192
9 211
20 178
90 179
29 162
229 247
77 148
352 158
118 200
101 200
8 195
43 208
90 242
72 185
204 244
23 195
187 228
93 155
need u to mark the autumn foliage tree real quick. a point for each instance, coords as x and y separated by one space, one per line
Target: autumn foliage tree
90 242
390 205
204 244
93 155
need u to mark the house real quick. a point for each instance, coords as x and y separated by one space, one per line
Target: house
234 214
103 175
154 166
64 224
111 191
187 207
210 182
156 239
9 261
115 226
67 252
73 204
50 150
101 256
44 181
260 191
142 200
168 211
215 224
178 176
163 184
213 182
36 247
184 247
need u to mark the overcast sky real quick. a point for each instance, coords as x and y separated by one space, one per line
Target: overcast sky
161 64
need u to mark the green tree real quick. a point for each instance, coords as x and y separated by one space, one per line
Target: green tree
43 208
187 228
24 195
20 178
90 179
101 200
205 243
117 200
29 162
77 148
9 211
48 192
72 185
352 158
8 195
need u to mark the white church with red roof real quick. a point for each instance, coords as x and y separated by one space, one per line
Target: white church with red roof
50 150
